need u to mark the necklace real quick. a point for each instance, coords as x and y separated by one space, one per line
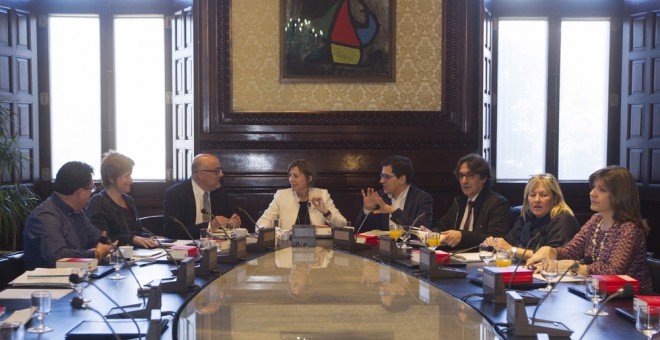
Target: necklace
602 242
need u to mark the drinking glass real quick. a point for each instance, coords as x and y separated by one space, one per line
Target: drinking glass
549 271
41 303
647 320
503 258
395 232
486 253
83 274
432 240
117 260
204 238
595 290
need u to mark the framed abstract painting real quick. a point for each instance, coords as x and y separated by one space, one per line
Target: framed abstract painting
337 41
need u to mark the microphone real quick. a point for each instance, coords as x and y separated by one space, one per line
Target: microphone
364 220
626 291
529 243
417 218
205 212
248 216
176 221
78 303
145 230
584 260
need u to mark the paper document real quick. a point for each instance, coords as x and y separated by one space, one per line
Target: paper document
44 277
467 257
145 254
567 278
21 316
25 294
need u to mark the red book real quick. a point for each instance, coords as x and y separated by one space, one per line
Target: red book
366 239
646 300
614 282
77 262
441 256
181 252
522 274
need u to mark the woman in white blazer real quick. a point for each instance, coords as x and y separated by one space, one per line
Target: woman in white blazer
302 203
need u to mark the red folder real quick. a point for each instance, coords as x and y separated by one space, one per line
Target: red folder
614 282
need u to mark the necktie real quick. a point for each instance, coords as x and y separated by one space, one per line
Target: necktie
206 206
467 225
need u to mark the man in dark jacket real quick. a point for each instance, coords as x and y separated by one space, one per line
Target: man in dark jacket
399 202
195 200
479 212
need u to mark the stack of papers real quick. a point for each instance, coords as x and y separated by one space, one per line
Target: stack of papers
44 277
467 257
147 254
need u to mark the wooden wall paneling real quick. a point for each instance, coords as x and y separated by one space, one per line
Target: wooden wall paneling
18 82
640 99
345 147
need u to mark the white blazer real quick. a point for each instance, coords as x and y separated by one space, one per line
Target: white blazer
285 207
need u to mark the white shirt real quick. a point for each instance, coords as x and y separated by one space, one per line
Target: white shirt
399 203
465 214
199 202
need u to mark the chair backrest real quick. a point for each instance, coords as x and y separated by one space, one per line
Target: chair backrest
515 213
11 266
153 223
654 266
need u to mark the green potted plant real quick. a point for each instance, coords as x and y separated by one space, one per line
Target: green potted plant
16 199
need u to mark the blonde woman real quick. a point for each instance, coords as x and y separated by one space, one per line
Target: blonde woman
545 219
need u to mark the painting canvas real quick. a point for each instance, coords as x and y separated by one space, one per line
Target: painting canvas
337 40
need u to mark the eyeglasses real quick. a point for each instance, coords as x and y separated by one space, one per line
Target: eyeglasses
469 176
386 177
217 171
92 189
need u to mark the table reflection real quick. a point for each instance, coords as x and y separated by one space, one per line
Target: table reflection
320 293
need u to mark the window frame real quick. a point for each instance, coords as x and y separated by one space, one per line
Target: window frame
555 12
106 12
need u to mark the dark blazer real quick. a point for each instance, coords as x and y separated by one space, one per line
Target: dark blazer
119 223
179 202
553 232
492 217
417 201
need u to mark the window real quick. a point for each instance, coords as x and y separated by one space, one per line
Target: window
552 95
133 119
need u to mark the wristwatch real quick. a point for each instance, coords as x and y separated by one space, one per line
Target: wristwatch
514 251
327 214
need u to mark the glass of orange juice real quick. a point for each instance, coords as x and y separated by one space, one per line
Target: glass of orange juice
432 240
396 231
503 257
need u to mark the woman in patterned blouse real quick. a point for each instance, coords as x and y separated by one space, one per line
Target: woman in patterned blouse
615 237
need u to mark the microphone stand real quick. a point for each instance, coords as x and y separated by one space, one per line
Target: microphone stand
626 291
176 221
529 243
585 260
208 255
78 303
75 278
161 245
204 212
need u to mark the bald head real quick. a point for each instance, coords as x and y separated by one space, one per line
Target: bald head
207 171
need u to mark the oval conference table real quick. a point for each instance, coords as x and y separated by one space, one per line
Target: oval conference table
325 293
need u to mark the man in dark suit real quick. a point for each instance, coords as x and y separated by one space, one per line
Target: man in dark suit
399 202
479 212
194 200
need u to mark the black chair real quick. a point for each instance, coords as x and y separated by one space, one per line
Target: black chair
11 266
515 213
153 223
654 266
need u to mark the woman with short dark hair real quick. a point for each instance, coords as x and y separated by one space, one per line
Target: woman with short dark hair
113 210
